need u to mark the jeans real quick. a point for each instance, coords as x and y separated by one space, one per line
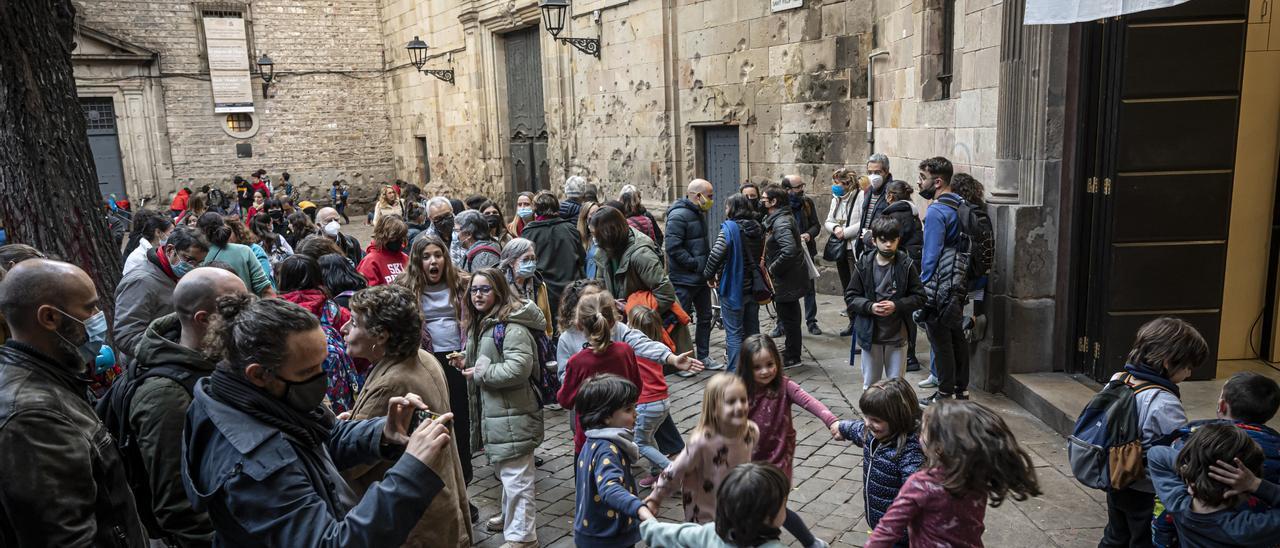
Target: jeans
789 319
698 298
459 404
519 509
738 325
811 305
794 525
881 359
648 417
951 357
1128 519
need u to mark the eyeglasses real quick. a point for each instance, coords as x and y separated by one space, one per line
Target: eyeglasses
481 289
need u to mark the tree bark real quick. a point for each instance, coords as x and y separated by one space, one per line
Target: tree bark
49 195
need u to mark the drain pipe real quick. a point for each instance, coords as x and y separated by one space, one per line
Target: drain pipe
871 102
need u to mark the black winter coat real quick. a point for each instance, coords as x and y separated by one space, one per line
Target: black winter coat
686 243
806 222
861 294
752 243
911 239
782 255
561 258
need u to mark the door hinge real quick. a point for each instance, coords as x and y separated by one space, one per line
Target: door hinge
1097 350
1082 344
1106 187
1091 185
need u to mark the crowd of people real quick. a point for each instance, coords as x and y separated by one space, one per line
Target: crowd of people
269 380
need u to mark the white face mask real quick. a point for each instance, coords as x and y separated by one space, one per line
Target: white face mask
876 181
331 229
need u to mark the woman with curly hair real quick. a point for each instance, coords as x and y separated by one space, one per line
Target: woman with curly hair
385 326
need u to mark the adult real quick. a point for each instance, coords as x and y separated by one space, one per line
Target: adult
273 244
276 211
300 226
876 201
441 213
240 234
519 262
586 233
388 204
302 283
571 206
441 291
244 195
386 260
239 257
150 227
557 245
327 223
262 455
628 262
196 206
524 214
734 264
340 277
259 183
158 407
844 225
259 205
415 216
146 293
62 479
385 329
942 237
752 193
903 210
338 197
805 215
493 216
639 217
474 235
687 249
286 186
179 203
12 254
786 267
509 425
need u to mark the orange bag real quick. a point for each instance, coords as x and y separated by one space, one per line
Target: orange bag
647 299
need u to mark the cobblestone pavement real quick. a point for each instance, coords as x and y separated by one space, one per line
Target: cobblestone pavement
827 490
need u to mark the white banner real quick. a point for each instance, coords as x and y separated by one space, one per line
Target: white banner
1055 12
783 5
228 64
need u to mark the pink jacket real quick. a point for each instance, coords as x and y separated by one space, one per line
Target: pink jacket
931 516
700 468
772 411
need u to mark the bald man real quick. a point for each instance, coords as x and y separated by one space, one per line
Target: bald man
62 480
687 249
169 361
327 222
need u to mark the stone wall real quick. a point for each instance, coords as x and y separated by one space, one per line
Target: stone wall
326 118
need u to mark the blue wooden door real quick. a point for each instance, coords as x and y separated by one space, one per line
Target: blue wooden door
104 142
720 166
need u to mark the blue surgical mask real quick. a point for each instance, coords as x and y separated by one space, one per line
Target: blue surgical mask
837 191
527 269
95 329
181 268
525 213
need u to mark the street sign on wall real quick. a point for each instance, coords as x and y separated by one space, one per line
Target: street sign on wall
783 5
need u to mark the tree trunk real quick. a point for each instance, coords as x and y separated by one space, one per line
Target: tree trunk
49 195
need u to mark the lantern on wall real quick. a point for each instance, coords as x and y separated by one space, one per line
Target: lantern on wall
267 71
418 57
554 13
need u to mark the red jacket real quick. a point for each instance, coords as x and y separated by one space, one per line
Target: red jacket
618 359
313 300
381 266
180 201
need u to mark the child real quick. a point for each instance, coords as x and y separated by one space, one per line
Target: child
1164 352
755 502
971 457
1248 401
1205 503
606 502
596 316
883 291
890 441
651 410
771 396
724 438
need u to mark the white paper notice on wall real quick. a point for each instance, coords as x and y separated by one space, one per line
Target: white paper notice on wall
228 64
783 5
1056 12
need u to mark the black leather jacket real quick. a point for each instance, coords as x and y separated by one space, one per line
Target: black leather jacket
62 479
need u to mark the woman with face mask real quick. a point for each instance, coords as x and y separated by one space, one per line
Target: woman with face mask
524 214
519 262
493 217
844 223
386 259
302 283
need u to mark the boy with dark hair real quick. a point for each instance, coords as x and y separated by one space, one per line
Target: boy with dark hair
883 291
1164 352
1204 495
752 504
607 506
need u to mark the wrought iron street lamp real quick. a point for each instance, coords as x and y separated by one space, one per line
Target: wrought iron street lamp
418 56
266 70
553 17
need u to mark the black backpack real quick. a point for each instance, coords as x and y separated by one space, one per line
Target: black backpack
113 409
979 237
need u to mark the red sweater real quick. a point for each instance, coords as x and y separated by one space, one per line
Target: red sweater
381 267
931 516
618 359
655 383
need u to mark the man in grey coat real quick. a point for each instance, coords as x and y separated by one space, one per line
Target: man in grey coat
146 292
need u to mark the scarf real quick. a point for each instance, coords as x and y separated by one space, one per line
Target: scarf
233 389
731 275
1145 373
621 437
162 261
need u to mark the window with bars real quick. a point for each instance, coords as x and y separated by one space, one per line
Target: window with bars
937 64
239 122
99 114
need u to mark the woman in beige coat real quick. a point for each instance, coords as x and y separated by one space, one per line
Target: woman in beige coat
385 328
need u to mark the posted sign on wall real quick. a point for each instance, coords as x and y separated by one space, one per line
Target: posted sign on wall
782 5
228 64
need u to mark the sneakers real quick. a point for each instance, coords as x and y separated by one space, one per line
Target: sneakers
711 364
777 331
494 525
962 395
927 401
913 364
846 331
685 374
647 482
791 363
931 382
814 330
516 544
818 543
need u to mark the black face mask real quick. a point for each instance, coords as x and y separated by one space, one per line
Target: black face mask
928 193
887 254
444 228
494 221
277 215
394 246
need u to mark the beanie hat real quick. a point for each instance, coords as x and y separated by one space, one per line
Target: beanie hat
573 187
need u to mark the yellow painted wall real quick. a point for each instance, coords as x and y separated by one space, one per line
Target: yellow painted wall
1254 187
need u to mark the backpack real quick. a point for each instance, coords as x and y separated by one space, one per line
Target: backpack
979 237
1105 448
217 199
471 255
344 382
113 409
544 380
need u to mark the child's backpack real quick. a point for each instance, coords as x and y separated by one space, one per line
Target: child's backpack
113 409
544 380
979 237
1105 448
344 382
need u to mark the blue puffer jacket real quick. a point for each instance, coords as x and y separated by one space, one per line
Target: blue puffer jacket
884 467
686 243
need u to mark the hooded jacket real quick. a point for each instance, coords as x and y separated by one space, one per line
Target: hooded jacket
143 295
752 247
686 242
561 257
509 421
782 255
911 237
861 294
314 300
639 269
885 467
1223 528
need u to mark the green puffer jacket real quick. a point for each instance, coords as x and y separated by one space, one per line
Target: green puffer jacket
505 418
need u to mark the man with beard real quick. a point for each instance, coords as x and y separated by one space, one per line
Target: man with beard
62 480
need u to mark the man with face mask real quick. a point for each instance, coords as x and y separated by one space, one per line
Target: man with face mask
805 215
263 455
146 293
327 222
440 213
875 202
149 404
62 481
942 233
687 250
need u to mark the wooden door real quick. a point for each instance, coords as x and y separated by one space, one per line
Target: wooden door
720 166
1159 149
527 127
104 142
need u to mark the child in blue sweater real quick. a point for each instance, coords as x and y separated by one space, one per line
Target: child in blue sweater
889 436
608 511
